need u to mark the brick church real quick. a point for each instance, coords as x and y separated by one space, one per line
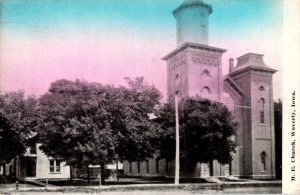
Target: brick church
195 68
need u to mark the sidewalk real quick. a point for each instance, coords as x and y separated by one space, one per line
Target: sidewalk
148 187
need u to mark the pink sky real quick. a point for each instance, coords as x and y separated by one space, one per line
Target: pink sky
31 60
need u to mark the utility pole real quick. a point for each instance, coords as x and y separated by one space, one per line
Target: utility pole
177 165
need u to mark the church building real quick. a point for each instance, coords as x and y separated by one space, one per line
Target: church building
195 68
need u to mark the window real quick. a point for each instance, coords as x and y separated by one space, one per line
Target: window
177 77
32 149
177 93
205 90
261 88
205 73
262 111
51 166
263 156
57 169
147 165
54 166
157 165
138 167
167 166
130 167
262 117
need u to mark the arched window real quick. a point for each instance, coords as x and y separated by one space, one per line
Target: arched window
205 73
205 90
177 78
177 93
261 88
262 110
263 156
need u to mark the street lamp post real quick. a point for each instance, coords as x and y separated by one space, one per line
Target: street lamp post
177 165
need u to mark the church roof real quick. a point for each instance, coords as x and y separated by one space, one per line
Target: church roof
190 3
234 85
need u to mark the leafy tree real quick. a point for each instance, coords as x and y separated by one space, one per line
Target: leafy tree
136 133
11 144
278 137
21 112
207 131
74 124
18 121
87 123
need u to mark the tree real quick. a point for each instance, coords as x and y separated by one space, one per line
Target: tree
21 112
278 137
87 123
207 132
18 121
136 133
74 125
11 144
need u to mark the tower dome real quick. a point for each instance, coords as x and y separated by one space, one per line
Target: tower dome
192 19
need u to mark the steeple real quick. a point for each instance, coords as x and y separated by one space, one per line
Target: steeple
192 19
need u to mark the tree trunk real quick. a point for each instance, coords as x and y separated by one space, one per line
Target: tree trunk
16 166
71 173
88 174
117 167
102 172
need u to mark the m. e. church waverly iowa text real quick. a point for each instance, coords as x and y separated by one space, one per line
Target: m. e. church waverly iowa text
293 134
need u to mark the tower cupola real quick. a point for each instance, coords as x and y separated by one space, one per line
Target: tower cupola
192 19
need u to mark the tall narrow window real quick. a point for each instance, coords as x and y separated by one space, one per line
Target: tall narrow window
51 166
262 111
177 78
167 166
57 167
138 167
157 165
147 165
130 167
263 156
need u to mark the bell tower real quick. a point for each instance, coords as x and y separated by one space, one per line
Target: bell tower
194 67
192 19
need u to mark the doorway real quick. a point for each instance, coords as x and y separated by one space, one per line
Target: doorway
30 164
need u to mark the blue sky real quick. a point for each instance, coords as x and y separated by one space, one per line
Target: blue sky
147 14
118 38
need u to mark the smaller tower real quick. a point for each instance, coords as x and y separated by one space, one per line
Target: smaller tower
254 77
192 22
